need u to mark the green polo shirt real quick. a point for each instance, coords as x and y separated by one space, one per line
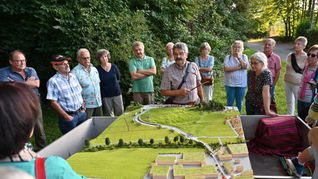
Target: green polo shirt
142 85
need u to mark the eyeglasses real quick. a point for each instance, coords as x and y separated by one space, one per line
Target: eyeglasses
312 55
19 61
254 63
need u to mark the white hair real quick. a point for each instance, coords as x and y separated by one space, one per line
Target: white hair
261 57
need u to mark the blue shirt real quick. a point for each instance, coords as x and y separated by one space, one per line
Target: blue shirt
236 78
7 74
205 64
66 91
89 81
55 167
109 84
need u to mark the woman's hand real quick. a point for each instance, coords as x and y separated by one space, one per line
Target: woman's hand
271 113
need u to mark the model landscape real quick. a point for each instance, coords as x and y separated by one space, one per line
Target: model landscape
159 141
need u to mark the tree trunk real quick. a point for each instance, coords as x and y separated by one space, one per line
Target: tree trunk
312 14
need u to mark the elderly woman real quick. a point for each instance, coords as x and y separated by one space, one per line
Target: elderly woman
169 59
258 98
235 75
19 108
110 89
205 63
294 69
308 83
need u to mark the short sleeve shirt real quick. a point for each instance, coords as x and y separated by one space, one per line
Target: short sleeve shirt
236 78
254 95
143 85
90 84
274 64
66 91
166 62
205 64
55 167
173 77
7 74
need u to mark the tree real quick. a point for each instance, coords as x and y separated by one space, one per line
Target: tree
87 143
152 141
167 140
181 139
107 141
120 143
175 139
140 142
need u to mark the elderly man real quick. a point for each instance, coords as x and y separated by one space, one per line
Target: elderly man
274 63
64 92
18 71
181 81
88 77
142 68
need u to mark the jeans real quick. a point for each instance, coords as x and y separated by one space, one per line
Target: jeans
272 92
78 118
236 93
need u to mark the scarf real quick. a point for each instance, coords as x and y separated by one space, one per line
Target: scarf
306 78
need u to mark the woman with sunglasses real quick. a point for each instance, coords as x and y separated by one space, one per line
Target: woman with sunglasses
307 87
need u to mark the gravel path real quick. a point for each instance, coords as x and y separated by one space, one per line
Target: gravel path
282 49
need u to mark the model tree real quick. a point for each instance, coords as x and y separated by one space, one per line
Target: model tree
107 141
175 139
152 141
140 142
120 143
167 140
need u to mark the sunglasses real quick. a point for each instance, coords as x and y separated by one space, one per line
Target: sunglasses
312 55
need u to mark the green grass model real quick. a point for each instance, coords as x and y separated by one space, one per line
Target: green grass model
133 159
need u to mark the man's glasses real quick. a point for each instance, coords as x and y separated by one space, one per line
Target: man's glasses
312 55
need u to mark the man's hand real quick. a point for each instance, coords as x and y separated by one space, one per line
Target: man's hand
32 82
183 91
68 117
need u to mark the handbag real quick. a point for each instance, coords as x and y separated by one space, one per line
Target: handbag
40 168
171 98
205 80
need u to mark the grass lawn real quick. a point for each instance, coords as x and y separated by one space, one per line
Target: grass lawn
110 163
193 121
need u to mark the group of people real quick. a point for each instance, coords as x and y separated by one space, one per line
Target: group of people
75 95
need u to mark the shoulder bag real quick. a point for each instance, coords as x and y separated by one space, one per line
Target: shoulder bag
206 80
171 98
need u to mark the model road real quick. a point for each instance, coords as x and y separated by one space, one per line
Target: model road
186 135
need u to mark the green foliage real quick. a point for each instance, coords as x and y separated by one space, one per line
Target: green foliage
50 27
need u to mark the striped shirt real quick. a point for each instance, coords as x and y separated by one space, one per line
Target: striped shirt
66 91
173 77
236 78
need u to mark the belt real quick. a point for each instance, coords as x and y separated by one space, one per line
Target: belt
74 112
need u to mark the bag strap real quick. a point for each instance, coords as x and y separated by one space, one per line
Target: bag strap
295 65
185 75
40 168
